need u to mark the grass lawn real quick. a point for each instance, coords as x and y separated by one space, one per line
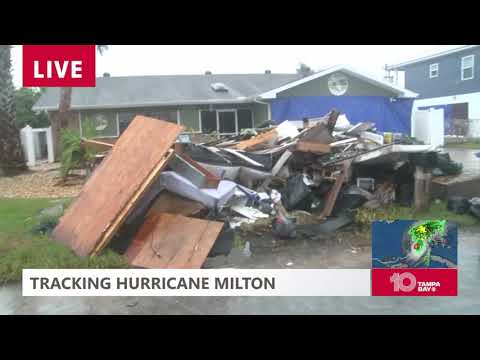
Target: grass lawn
20 249
470 144
438 210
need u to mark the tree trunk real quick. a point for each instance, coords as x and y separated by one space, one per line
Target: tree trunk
61 119
12 159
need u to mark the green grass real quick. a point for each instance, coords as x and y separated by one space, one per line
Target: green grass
20 249
438 210
470 144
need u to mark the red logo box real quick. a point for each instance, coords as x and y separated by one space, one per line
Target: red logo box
59 65
414 282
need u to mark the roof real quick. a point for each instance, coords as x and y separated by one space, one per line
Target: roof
401 92
139 91
430 57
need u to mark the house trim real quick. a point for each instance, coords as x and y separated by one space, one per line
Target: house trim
429 57
243 100
272 94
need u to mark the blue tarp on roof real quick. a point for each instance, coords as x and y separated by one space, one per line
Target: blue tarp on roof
392 116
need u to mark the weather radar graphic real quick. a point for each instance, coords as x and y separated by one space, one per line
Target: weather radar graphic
414 244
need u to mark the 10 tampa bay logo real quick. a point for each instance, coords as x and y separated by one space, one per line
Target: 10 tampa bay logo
407 282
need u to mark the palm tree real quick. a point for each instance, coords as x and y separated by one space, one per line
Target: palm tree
11 152
64 109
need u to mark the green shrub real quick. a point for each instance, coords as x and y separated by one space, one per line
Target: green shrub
73 154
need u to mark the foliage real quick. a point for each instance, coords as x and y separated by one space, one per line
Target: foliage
20 249
438 210
73 154
304 70
25 98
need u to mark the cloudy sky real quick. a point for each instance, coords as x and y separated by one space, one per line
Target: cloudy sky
122 60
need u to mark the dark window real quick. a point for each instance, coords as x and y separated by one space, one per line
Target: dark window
226 121
124 119
209 121
245 119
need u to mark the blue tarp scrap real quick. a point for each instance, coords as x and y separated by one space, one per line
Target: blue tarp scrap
447 115
392 116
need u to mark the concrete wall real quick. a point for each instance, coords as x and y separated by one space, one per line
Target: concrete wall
319 87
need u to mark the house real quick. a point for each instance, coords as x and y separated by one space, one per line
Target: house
229 103
449 80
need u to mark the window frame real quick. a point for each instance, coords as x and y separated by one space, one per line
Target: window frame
432 70
462 67
217 111
81 118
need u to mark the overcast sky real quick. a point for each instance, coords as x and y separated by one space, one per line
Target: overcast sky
122 60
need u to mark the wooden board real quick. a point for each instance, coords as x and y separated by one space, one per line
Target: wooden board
116 185
314 147
173 241
268 137
97 145
174 204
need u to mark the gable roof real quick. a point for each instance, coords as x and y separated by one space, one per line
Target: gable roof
429 57
401 92
139 91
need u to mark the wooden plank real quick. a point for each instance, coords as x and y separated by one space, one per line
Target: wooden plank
314 147
268 137
97 145
122 216
115 185
332 195
173 241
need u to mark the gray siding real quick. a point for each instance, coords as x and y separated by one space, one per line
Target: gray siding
449 81
319 87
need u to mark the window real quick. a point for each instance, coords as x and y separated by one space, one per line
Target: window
433 70
99 124
467 67
167 115
208 121
245 119
229 121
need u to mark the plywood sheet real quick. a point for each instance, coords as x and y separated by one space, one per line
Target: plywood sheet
268 137
114 187
173 241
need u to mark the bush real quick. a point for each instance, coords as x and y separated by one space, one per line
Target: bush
73 154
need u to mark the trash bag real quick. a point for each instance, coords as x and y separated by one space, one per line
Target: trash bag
458 204
295 191
447 165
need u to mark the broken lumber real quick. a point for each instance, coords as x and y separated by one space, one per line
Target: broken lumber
167 241
267 138
116 185
314 147
96 144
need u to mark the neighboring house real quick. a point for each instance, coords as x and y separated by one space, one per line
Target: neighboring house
229 103
449 80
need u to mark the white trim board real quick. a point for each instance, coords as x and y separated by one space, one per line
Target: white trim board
429 57
401 92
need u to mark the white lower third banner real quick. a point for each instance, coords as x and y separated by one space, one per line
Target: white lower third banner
196 282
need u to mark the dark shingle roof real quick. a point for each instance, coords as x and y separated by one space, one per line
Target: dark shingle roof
132 91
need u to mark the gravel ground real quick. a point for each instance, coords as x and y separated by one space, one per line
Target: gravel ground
40 182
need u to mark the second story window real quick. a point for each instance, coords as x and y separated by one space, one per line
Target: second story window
433 70
467 67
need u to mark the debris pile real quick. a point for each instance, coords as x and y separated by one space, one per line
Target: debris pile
167 202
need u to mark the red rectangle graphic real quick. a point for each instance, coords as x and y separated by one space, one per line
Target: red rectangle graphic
59 65
414 282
